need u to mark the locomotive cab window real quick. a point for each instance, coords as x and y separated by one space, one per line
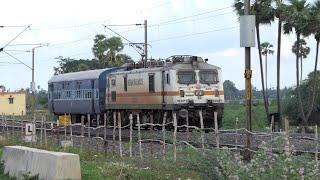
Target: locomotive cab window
208 77
186 77
151 83
168 78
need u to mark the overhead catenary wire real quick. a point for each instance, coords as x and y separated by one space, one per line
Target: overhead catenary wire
17 59
15 37
194 34
191 16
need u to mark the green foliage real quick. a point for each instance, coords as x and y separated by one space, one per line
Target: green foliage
266 48
303 50
263 10
290 108
296 16
106 52
232 111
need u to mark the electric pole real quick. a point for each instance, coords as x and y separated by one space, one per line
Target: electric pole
247 41
33 85
145 43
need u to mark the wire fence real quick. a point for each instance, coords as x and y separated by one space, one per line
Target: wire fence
112 136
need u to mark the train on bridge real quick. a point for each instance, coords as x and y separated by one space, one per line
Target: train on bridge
181 84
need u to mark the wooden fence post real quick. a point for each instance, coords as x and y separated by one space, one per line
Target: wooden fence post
139 135
71 134
98 126
41 130
202 131
45 132
164 134
216 129
22 124
317 143
14 124
131 129
175 136
151 129
114 131
286 126
119 127
6 123
82 133
236 140
187 123
105 133
89 127
65 127
271 130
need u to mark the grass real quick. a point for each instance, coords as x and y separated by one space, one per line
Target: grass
96 166
235 110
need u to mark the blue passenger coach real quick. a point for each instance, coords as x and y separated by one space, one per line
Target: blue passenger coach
78 93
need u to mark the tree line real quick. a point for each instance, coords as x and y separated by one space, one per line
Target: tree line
294 17
106 51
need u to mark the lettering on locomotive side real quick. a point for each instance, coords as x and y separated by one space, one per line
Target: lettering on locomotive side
135 82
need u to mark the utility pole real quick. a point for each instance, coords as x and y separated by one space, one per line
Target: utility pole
248 21
145 43
33 85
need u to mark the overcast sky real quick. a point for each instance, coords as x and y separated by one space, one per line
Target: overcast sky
207 28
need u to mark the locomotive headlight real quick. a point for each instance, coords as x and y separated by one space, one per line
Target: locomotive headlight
181 93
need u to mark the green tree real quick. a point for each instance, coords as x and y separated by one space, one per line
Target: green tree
99 49
296 19
266 49
302 52
106 50
230 90
314 28
279 14
264 12
292 102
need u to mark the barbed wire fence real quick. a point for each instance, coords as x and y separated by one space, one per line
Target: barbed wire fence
113 136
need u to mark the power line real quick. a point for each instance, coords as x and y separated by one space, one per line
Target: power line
187 17
1 49
15 26
196 19
194 34
72 26
17 59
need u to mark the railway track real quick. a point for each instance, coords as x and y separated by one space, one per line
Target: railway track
303 143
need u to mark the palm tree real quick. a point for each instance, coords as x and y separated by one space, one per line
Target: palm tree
296 18
264 13
266 48
314 28
303 52
278 14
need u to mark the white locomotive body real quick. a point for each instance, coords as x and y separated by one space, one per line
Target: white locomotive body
183 83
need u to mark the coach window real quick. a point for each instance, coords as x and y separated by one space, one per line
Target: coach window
151 83
125 83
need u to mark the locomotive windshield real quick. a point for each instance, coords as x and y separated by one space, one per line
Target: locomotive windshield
186 77
208 77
